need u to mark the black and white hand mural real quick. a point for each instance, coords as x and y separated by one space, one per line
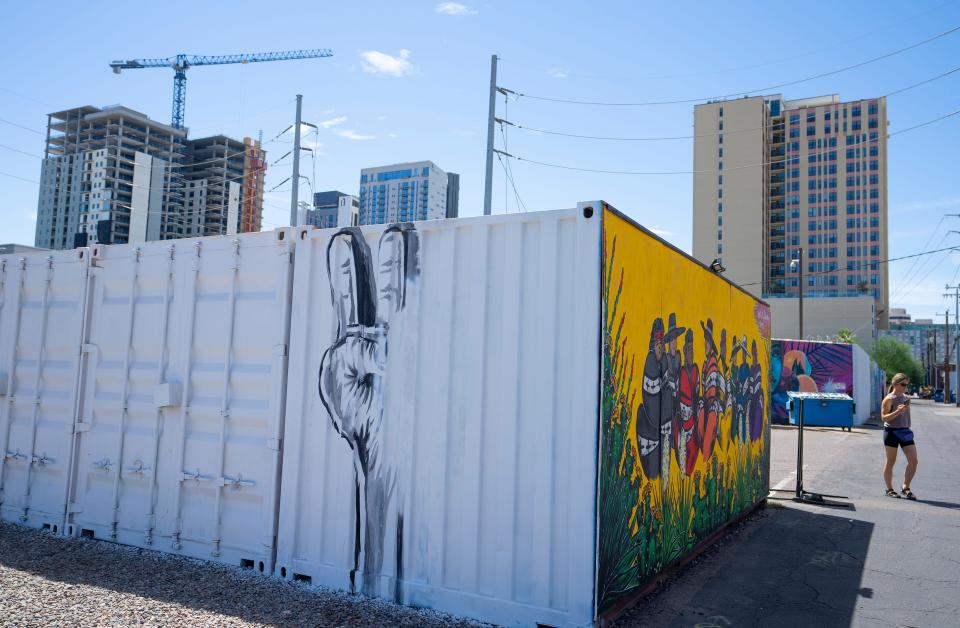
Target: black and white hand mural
368 296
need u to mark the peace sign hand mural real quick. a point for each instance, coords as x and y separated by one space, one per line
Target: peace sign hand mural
352 378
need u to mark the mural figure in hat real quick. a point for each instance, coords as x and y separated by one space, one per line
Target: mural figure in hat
649 412
685 436
725 395
712 394
744 390
738 386
756 395
671 375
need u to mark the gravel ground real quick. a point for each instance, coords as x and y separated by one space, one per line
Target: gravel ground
51 581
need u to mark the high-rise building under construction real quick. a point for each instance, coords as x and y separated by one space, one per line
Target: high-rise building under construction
113 175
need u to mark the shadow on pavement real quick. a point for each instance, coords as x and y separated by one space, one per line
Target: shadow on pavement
795 566
931 502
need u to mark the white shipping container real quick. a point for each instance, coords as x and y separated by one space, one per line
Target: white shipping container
441 429
41 326
862 385
181 413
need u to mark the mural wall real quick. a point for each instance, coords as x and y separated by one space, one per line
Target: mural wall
684 430
808 366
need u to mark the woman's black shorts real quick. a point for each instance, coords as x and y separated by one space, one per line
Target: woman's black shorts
897 437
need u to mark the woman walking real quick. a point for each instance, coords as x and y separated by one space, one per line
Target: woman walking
895 412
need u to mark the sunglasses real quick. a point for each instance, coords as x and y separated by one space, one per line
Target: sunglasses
902 384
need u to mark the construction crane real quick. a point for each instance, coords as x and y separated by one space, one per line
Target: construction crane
181 63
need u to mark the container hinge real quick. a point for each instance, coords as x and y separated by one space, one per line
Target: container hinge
80 427
235 483
73 508
14 455
87 348
281 350
274 444
104 464
96 271
196 476
41 460
138 467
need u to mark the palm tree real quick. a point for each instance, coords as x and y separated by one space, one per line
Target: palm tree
845 335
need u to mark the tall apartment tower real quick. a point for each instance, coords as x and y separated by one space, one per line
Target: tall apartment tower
109 175
401 192
774 175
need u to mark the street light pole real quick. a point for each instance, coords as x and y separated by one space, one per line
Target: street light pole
797 265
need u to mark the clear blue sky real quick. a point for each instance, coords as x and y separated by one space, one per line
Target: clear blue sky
424 96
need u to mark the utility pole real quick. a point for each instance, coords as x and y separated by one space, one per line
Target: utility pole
956 336
946 357
797 265
295 180
488 181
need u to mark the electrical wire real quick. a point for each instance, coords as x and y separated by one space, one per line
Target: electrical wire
906 278
762 127
20 126
864 265
745 92
785 160
806 53
13 176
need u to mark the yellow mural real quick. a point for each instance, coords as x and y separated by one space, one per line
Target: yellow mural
684 430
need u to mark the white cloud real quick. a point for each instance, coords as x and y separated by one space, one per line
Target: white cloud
663 233
454 8
382 118
351 135
940 203
326 124
376 62
312 145
392 135
557 73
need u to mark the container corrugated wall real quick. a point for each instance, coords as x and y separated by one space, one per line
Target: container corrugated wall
179 426
41 325
441 430
862 385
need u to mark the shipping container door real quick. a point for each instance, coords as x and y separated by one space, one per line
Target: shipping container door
182 411
41 329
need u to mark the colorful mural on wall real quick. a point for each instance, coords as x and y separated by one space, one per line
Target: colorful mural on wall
684 430
807 366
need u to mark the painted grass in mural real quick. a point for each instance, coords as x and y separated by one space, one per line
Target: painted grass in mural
695 456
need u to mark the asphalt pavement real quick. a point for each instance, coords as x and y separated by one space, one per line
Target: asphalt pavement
878 561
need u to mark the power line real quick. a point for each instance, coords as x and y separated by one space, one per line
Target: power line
743 92
785 160
20 126
914 264
864 265
762 127
7 174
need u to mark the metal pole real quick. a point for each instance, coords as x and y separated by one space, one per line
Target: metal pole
296 165
801 292
488 181
946 357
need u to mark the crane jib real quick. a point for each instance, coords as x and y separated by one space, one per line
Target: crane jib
181 62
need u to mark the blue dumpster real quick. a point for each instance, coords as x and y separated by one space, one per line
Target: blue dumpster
821 409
